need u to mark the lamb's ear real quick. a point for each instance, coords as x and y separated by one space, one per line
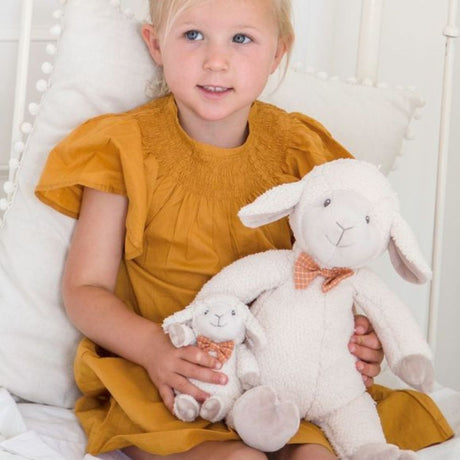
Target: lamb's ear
274 204
405 254
182 316
254 331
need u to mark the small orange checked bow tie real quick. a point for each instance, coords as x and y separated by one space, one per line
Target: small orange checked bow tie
306 270
223 350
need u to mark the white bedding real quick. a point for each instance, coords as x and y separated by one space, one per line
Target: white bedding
39 432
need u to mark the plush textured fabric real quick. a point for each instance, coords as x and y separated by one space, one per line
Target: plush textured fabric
218 326
342 214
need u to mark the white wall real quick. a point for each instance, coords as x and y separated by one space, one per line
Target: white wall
411 54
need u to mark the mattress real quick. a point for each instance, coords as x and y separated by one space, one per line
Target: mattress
38 432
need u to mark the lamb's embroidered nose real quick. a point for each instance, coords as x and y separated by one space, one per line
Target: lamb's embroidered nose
219 317
344 229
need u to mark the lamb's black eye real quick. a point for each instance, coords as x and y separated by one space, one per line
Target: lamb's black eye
368 219
233 312
327 203
205 312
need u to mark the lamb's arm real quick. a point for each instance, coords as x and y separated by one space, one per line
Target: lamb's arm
249 276
181 335
247 368
407 352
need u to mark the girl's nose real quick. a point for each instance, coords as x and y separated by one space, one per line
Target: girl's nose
216 59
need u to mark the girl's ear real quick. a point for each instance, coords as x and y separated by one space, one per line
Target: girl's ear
281 50
151 39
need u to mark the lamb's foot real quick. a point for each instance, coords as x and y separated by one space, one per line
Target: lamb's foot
262 421
213 409
186 408
380 451
417 371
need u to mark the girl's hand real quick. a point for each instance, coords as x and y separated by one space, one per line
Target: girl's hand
170 368
366 346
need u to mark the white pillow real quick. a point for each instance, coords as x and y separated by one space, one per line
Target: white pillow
371 122
102 66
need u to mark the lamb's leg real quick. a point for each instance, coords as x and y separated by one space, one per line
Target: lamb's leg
262 421
186 408
382 452
355 432
215 408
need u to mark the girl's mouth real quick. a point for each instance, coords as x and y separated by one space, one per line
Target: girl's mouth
214 90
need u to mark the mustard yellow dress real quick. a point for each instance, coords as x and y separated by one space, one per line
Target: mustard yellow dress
181 229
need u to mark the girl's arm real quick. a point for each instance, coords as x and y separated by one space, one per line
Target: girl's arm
88 289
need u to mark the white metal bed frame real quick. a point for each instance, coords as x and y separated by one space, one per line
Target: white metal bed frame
366 71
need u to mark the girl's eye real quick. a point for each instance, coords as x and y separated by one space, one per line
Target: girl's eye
241 39
193 35
327 203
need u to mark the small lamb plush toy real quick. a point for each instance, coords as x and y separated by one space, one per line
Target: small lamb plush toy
219 324
343 214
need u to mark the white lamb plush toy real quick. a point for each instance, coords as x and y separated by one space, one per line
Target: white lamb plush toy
343 214
220 325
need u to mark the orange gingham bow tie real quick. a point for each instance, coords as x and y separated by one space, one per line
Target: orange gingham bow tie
223 350
306 270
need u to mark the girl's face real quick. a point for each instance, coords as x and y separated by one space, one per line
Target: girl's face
217 57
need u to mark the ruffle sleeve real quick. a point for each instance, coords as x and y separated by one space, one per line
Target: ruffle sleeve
309 144
105 154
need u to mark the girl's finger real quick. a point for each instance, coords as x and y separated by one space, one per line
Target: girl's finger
183 385
167 395
195 355
368 382
363 325
368 340
204 374
367 354
369 370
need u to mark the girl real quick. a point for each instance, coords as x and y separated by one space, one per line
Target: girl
157 191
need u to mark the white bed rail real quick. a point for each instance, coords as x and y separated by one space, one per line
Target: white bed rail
451 32
367 64
22 69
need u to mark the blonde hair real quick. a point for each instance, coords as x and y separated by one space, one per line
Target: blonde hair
164 12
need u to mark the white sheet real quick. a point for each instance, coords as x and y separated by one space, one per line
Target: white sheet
38 432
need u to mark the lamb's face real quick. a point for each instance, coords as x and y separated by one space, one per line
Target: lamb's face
344 217
344 229
220 322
